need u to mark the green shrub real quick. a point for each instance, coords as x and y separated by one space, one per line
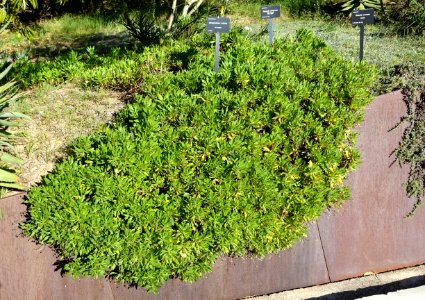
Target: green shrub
410 78
119 69
298 8
408 17
412 18
203 165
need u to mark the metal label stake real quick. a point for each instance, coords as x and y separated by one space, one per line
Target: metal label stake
270 31
217 51
217 25
361 42
360 18
270 12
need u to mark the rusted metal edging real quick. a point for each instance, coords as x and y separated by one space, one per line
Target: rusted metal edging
370 232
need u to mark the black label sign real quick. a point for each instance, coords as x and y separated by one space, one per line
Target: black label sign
221 25
270 12
361 17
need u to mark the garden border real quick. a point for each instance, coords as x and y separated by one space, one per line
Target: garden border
368 234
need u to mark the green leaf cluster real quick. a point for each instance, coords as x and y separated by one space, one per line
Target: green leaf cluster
410 78
8 178
10 9
119 69
203 164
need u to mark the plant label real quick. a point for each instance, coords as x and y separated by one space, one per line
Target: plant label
220 25
217 26
270 12
361 17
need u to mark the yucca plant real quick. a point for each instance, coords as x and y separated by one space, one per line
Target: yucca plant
8 94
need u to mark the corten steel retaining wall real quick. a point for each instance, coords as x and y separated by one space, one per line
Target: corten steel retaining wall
368 234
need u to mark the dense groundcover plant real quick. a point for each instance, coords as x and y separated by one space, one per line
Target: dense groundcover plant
202 165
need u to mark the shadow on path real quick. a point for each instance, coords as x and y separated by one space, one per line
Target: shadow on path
375 290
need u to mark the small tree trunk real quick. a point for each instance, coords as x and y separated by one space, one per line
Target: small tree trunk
172 15
198 4
186 7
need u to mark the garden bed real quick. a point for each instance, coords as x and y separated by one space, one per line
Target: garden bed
368 234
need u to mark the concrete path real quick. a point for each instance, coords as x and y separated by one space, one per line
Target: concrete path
409 294
406 284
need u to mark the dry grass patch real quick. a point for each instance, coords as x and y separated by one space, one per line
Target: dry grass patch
58 115
54 36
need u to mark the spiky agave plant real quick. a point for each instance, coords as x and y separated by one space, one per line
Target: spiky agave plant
8 94
350 5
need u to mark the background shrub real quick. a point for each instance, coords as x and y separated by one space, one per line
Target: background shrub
203 165
300 7
409 17
120 69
